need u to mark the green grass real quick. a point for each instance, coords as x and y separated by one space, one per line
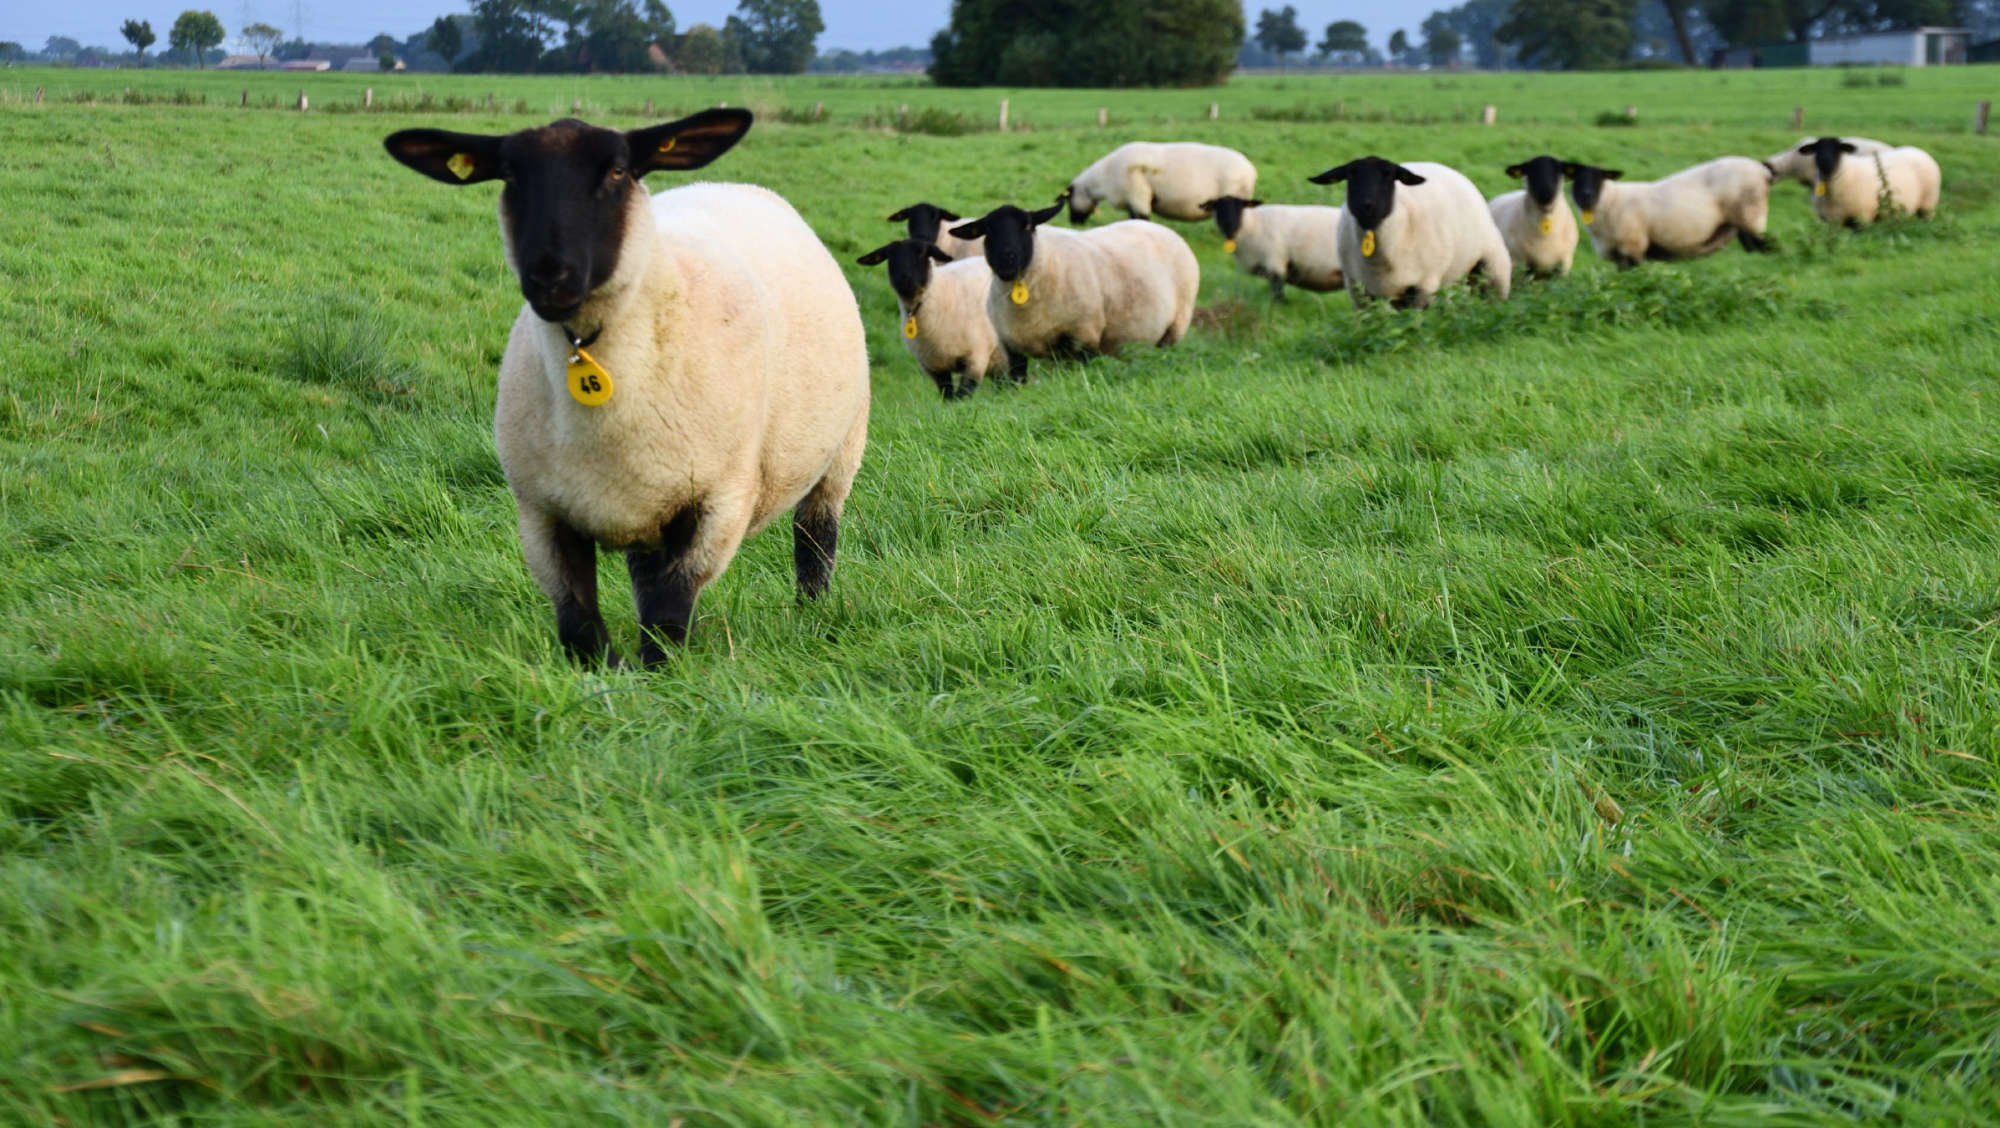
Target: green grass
1580 710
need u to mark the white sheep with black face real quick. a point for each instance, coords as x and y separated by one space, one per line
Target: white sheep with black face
1851 187
1297 244
688 365
1410 230
926 222
1795 163
1091 291
1541 233
1149 178
942 310
1692 213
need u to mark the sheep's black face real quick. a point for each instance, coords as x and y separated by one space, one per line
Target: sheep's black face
1010 237
569 190
1371 187
924 220
1542 177
1826 153
1586 183
909 265
1228 212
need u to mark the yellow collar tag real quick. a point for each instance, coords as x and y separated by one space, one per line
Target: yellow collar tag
1367 244
1820 188
1588 215
1019 293
1548 224
589 383
1229 246
461 165
910 328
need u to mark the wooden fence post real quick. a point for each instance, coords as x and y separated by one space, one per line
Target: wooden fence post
1103 117
819 110
1631 111
1488 113
368 97
576 105
1003 115
489 101
649 107
244 100
38 95
1214 110
1798 118
302 101
1979 119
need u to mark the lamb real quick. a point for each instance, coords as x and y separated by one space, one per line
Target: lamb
926 222
687 365
1170 179
1692 213
1095 291
944 322
1407 244
1794 163
1539 230
1852 191
1295 243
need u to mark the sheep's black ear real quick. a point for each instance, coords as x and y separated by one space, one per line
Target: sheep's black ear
452 158
900 216
947 216
1253 203
1063 196
1048 213
1848 147
1516 171
1613 173
1332 175
1807 149
1408 177
1209 205
876 255
687 144
937 256
974 230
1571 168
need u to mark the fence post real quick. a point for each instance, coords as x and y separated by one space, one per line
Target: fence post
244 100
1103 117
1979 119
1003 115
38 94
576 105
367 97
302 101
649 107
1631 111
1487 113
819 110
1214 110
489 101
1798 118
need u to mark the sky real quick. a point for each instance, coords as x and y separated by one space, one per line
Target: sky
854 24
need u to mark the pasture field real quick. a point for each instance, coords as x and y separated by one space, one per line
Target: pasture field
1581 710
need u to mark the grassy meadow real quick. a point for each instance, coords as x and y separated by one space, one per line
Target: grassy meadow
1579 710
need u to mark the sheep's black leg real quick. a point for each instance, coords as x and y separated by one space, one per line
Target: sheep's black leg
1277 288
815 543
579 626
662 587
947 384
1017 366
1755 244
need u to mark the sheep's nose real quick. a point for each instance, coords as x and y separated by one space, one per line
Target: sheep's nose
552 276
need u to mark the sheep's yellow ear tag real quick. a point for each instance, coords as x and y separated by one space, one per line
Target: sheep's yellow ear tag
589 383
669 146
1548 224
910 328
1820 188
1229 246
1367 244
461 165
1019 293
1587 214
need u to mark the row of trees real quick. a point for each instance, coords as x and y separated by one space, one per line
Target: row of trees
1099 43
1345 42
615 36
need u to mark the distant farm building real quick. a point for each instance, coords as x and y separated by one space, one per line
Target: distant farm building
1910 47
363 64
306 65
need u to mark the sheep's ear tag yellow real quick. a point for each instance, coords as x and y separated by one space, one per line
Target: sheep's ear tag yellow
1019 293
910 328
1229 246
1367 244
461 165
1820 188
669 146
1587 214
1548 224
589 383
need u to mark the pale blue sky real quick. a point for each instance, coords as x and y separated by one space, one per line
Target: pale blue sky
856 24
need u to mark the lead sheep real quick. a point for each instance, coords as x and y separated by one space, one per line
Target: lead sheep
1540 232
1794 163
942 313
1851 188
926 222
1406 243
1148 178
687 366
1094 291
1692 213
1285 243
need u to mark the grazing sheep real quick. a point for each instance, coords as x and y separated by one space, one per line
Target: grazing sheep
1794 163
1170 179
1852 191
687 366
944 322
1295 243
926 223
1094 291
1692 213
1406 244
1540 232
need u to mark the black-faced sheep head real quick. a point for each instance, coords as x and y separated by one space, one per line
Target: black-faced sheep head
909 264
1586 184
1081 205
1542 177
1010 237
568 190
1228 213
924 220
1826 153
1371 187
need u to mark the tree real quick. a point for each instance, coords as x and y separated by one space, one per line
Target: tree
1476 23
1279 32
511 37
1104 43
702 51
1441 46
12 52
1571 34
615 35
139 33
445 38
775 36
1347 38
60 47
262 38
1399 45
196 33
1677 11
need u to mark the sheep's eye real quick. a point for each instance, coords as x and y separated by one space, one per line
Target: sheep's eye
617 172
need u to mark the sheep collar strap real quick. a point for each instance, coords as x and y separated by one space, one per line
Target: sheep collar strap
589 384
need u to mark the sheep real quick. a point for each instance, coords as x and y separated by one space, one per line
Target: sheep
1793 163
686 367
1295 243
926 221
1170 179
944 322
1692 213
1406 244
1095 291
1537 225
1852 192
